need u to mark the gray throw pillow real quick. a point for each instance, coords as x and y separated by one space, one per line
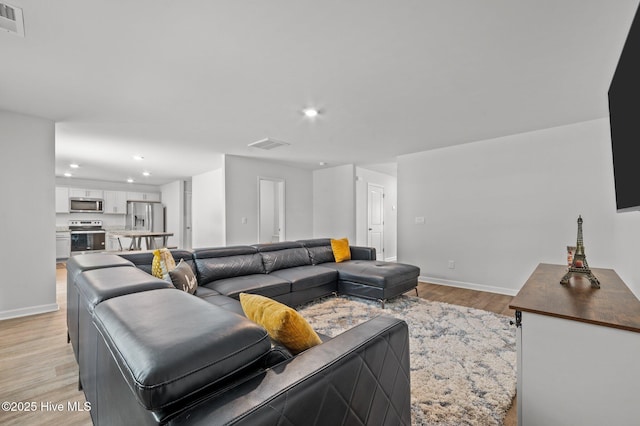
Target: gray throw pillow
183 278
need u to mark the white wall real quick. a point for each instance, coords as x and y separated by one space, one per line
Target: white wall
208 209
334 202
173 200
241 180
27 216
499 207
389 183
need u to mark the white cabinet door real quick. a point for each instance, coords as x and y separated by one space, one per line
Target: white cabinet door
63 245
574 373
143 196
86 193
115 202
62 199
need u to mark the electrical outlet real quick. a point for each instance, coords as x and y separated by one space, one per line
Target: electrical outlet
419 220
452 264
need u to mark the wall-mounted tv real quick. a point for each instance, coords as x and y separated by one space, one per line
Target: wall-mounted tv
624 117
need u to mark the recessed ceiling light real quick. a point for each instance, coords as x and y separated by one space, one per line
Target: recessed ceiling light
310 112
130 180
138 157
146 174
74 165
322 163
68 174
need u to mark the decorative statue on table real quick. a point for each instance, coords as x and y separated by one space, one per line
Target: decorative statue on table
579 264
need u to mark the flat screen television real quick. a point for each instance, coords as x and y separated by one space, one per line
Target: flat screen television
624 117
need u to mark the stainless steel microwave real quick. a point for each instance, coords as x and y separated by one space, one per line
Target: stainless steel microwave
86 205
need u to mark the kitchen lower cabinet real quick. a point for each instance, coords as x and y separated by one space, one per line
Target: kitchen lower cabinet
577 350
63 245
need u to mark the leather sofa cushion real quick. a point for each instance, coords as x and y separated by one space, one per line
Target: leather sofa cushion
98 285
227 262
77 264
321 254
375 273
305 277
205 292
286 258
263 284
319 250
226 302
169 344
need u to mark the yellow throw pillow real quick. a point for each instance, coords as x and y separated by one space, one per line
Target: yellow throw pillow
284 324
341 251
162 263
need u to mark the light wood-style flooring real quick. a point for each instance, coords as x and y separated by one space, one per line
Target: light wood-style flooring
37 365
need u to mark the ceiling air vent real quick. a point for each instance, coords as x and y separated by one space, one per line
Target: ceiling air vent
267 143
11 19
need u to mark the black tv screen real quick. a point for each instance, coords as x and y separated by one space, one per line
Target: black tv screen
624 117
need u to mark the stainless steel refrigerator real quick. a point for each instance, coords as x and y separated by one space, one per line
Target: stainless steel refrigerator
145 216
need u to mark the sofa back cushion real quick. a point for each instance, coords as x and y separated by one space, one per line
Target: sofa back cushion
225 262
144 260
283 255
319 249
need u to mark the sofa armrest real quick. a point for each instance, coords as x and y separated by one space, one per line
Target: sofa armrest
363 253
358 377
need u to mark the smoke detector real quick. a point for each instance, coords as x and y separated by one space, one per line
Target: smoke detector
11 19
267 143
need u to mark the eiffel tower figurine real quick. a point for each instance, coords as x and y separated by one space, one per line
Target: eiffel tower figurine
579 264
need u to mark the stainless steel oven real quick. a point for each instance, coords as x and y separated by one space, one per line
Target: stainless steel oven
86 236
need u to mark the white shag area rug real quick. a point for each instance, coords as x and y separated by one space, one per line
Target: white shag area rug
463 360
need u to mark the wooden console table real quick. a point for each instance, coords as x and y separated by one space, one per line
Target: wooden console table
578 350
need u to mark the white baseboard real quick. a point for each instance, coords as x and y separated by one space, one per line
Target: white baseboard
391 259
470 286
31 310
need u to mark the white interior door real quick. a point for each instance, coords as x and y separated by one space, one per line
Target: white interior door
375 219
271 208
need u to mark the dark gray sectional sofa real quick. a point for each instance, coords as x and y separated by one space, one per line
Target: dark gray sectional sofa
151 354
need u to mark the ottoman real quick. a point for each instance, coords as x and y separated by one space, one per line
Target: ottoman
374 279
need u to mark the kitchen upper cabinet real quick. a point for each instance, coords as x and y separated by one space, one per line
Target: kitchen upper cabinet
115 202
143 196
86 193
62 199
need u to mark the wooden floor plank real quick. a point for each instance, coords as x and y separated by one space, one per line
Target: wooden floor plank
37 364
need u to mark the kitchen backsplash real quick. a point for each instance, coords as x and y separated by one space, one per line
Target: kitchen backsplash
110 222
